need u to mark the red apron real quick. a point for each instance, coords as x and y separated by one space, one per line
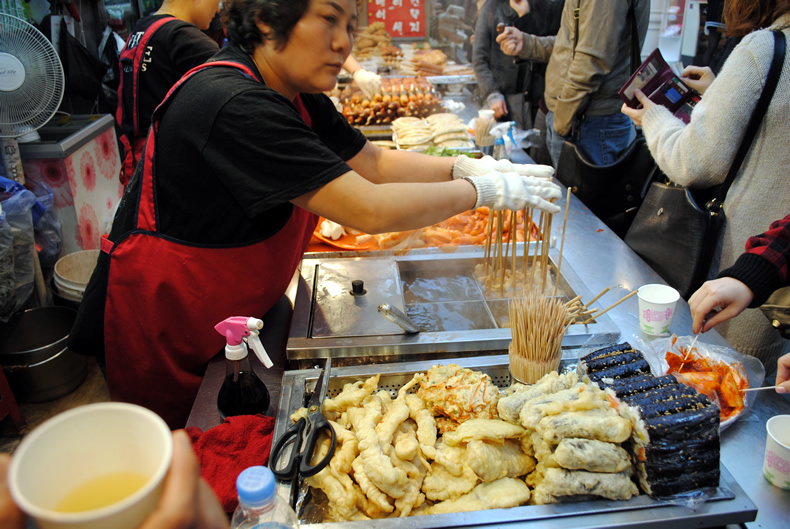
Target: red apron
164 296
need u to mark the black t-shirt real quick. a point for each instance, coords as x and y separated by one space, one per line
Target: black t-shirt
232 152
175 49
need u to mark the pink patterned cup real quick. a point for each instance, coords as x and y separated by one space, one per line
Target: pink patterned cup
656 308
776 466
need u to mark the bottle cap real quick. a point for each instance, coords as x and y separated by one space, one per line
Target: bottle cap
255 486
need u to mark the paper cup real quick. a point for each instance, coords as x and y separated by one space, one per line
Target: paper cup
105 447
485 113
656 308
776 465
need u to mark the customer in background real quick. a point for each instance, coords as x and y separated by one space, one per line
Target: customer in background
588 61
153 59
511 88
699 155
187 500
242 160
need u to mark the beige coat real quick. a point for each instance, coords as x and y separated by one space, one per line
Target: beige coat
587 80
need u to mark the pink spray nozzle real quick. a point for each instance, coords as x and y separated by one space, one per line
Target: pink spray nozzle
235 328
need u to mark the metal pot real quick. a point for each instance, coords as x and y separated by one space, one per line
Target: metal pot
38 365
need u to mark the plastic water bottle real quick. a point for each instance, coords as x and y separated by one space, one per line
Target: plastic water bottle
259 505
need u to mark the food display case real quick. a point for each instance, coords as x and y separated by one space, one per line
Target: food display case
727 504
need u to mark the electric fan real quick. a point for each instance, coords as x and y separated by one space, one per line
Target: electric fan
31 87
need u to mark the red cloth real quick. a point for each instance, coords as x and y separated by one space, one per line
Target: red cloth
227 449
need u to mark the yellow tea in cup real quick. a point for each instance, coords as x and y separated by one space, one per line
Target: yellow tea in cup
102 491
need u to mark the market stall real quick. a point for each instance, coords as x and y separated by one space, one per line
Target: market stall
616 267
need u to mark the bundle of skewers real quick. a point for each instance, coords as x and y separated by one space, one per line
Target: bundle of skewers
483 136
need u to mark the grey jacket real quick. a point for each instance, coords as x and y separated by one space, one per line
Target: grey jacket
585 73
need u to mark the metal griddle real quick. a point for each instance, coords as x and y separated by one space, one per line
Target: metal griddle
728 504
437 289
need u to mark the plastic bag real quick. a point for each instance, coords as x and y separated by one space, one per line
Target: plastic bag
46 223
655 353
17 205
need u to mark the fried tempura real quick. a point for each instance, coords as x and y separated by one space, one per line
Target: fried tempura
492 461
484 429
500 494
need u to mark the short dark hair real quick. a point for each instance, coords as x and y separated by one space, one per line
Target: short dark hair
240 18
741 17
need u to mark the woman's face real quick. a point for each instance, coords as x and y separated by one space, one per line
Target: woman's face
316 50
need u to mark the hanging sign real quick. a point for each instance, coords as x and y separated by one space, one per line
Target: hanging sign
401 18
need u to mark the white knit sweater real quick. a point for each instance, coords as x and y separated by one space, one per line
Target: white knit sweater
699 155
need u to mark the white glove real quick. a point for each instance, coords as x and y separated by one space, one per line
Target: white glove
514 191
331 230
466 166
368 82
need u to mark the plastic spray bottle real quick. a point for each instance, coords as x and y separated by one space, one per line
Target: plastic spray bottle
242 392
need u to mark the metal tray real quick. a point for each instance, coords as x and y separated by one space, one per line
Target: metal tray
435 287
729 504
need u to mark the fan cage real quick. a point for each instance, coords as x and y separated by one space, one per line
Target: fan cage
33 104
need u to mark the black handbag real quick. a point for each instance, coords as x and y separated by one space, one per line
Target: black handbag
675 232
613 192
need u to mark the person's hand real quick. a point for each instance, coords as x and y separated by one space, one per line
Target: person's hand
636 113
499 108
331 230
510 41
368 82
187 500
783 374
465 166
514 191
11 517
726 293
698 77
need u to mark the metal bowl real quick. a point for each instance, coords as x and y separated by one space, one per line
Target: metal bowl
33 353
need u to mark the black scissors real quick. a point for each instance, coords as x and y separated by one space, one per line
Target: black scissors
305 429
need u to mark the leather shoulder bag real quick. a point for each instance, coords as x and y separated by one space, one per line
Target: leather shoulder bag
675 232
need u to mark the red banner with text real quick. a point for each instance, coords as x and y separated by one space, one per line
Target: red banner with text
401 18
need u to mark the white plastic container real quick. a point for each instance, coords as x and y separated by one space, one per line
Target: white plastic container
73 271
259 505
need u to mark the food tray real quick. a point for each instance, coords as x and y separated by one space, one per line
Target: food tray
728 504
452 79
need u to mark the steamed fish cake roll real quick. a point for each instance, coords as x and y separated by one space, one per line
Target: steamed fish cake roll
559 483
587 425
500 494
591 455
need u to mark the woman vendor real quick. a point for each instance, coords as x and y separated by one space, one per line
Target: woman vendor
242 157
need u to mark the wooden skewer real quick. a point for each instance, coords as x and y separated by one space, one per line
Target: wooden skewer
613 305
562 243
690 347
758 389
604 291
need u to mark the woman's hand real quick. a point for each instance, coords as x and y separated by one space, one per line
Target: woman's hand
728 294
636 113
510 41
783 374
698 77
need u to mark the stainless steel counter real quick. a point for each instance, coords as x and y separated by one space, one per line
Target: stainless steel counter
601 260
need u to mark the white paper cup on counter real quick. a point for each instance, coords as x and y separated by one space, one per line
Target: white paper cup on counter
776 465
656 308
485 113
95 466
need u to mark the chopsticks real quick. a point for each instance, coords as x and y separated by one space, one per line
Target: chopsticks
758 389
